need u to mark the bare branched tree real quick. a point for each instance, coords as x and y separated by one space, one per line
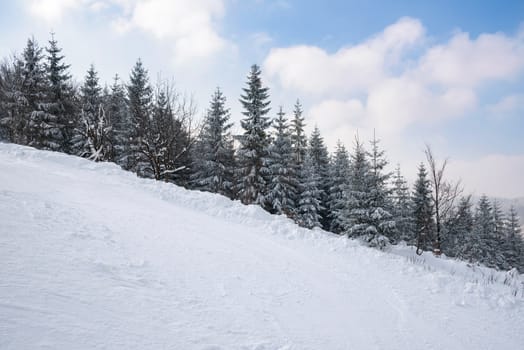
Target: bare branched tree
444 195
170 135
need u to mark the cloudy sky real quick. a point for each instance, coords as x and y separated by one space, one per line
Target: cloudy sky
447 73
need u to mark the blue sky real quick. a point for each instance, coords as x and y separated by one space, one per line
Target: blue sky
447 73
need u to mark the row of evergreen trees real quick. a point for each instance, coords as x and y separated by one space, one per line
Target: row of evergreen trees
150 131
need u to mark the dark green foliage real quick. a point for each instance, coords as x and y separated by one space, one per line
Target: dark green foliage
402 210
214 159
60 113
339 171
117 112
140 98
252 154
422 210
283 181
320 162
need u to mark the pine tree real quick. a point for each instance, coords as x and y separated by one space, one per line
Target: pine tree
92 137
283 182
422 210
13 120
380 208
513 247
338 185
499 234
460 234
214 163
298 135
252 154
55 127
157 139
356 216
34 87
402 209
320 159
309 206
121 127
140 97
485 245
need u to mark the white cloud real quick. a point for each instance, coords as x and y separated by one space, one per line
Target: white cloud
495 175
311 69
507 105
466 62
190 25
52 10
395 86
395 103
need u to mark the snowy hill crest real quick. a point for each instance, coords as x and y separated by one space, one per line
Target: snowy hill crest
96 257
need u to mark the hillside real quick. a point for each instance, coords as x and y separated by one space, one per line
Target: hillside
96 258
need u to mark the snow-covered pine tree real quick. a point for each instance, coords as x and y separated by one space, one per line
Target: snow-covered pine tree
402 209
252 154
13 120
283 180
499 219
140 97
92 136
309 206
34 88
484 227
56 126
298 135
213 165
423 211
459 238
382 223
499 234
320 158
356 215
156 145
338 185
121 127
513 247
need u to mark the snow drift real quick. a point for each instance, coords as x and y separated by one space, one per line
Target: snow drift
94 257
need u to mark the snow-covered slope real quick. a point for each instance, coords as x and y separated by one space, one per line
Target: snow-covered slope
94 258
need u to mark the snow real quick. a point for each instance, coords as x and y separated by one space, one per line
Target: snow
93 257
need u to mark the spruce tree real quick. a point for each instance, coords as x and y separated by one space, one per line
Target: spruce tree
13 120
499 234
320 159
214 161
252 155
460 234
402 209
356 213
140 97
338 185
121 127
61 115
484 226
283 182
92 136
298 135
34 88
422 210
513 247
156 145
380 208
309 205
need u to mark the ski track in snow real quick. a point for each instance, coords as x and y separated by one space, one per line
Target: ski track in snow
95 258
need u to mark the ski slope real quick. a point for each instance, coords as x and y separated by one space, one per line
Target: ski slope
93 257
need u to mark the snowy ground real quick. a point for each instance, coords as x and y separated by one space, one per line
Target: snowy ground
95 258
